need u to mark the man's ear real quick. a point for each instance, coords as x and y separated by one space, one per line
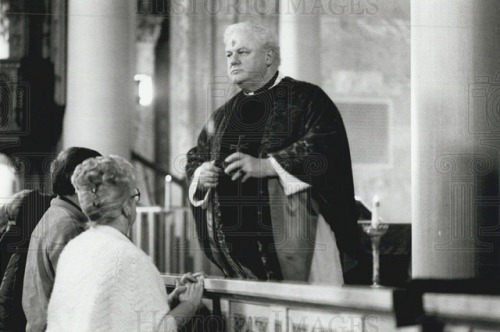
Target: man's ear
270 57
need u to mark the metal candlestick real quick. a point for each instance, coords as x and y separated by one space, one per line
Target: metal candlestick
375 234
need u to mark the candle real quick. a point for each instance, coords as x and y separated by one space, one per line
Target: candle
168 192
375 208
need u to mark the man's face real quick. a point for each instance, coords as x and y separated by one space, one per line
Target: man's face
246 61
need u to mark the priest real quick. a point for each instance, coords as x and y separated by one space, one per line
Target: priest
270 167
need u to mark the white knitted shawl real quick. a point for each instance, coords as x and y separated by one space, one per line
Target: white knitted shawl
105 283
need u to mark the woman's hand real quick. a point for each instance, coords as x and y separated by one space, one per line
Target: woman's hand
173 298
180 287
189 277
193 292
189 296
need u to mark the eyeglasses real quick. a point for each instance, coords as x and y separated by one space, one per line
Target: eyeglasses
137 196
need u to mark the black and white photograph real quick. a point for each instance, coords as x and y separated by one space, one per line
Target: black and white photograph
250 165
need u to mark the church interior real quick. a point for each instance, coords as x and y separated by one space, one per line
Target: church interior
416 83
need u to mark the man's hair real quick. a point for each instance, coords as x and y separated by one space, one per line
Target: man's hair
103 185
263 35
64 165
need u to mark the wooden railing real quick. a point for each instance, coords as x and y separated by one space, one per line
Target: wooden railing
240 305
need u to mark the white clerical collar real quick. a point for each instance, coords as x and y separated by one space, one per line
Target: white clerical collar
276 82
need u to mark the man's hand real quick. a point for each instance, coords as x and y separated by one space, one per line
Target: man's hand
243 166
209 175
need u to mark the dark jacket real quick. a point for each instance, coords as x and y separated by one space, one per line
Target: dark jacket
13 254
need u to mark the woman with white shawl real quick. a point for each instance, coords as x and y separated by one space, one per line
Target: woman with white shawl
104 282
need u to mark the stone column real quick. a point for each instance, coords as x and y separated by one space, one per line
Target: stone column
193 48
300 48
186 60
455 138
300 43
101 92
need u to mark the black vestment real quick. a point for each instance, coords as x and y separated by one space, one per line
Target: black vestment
300 127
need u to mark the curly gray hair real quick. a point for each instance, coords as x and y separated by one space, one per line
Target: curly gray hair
103 185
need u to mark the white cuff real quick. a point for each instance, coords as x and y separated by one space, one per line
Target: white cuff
291 185
192 191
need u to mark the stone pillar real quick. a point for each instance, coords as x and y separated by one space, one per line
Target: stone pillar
193 48
101 91
182 83
300 43
455 138
300 48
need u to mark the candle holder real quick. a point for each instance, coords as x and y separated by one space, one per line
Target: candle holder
375 234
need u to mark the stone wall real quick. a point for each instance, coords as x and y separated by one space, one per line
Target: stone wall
365 59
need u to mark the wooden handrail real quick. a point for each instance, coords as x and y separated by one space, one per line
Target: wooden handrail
354 298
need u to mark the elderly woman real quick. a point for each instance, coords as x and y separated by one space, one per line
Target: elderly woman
104 282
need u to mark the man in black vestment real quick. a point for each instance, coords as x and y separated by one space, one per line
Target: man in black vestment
270 163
